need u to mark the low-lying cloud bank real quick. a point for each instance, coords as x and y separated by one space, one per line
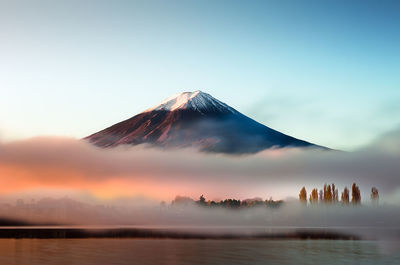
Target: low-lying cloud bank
364 222
64 163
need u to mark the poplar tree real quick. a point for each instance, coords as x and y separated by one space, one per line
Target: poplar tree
355 194
303 195
374 195
314 196
345 196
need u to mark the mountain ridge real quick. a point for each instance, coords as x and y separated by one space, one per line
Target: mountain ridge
195 119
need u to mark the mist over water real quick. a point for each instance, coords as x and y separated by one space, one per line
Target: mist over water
359 222
123 187
69 164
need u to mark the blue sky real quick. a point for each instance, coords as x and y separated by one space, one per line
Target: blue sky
323 71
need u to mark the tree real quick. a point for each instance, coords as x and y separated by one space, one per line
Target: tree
327 193
321 196
303 195
335 193
355 194
202 201
374 195
345 196
314 196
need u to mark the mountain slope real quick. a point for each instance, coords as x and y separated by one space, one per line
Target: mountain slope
195 119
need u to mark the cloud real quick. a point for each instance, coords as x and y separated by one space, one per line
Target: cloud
65 163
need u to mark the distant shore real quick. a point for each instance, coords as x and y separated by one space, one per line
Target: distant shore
66 232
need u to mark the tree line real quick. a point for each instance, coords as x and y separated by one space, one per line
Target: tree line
330 195
233 203
227 203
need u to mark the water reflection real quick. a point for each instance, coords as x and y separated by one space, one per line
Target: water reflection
173 251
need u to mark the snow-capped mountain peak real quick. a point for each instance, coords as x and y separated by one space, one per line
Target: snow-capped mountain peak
195 119
196 100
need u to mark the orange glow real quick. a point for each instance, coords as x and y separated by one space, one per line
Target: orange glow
67 165
14 179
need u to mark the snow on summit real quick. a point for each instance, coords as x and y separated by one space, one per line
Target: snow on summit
195 119
196 100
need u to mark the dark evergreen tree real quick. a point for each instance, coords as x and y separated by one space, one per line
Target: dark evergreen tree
202 201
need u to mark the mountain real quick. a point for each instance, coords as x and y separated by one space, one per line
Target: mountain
195 119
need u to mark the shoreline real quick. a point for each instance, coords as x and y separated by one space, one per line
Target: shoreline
65 233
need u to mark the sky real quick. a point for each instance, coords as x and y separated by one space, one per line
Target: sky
323 71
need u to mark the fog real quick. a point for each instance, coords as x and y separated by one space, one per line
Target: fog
124 185
65 164
378 222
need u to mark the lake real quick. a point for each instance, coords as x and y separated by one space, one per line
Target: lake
192 251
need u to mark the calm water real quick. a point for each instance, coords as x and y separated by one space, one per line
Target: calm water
171 251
